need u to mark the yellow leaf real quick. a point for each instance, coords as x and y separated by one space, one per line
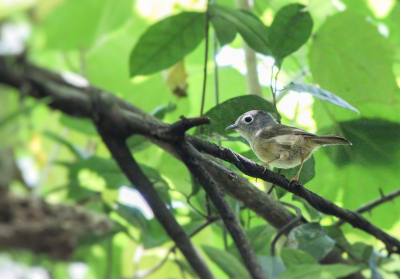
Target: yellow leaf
175 77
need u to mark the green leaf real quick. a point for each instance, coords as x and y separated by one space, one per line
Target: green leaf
293 257
225 31
320 94
195 186
105 168
312 271
361 251
367 254
91 171
78 24
152 234
312 239
272 266
374 142
315 215
259 237
393 22
290 29
186 267
23 109
227 112
252 30
355 62
82 125
307 172
336 234
161 111
78 152
227 262
166 42
92 238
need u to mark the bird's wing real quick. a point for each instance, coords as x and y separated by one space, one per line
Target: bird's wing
283 134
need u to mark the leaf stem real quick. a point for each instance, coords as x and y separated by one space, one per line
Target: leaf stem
205 63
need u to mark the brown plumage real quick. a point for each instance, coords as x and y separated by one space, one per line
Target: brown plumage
279 145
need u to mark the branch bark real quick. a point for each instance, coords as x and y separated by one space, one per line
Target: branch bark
127 118
128 165
40 227
191 158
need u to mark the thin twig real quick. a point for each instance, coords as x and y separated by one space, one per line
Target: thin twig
273 92
127 119
278 119
253 85
374 203
192 159
203 96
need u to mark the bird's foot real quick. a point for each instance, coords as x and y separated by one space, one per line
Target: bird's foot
295 178
265 167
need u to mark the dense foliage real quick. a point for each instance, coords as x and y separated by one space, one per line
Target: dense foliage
334 67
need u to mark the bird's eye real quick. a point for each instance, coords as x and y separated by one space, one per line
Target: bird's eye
248 119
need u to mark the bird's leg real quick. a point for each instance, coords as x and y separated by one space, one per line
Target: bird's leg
283 156
266 164
296 177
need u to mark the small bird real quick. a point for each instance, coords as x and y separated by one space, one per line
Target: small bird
279 145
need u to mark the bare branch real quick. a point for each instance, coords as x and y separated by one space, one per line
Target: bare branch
126 119
128 165
33 224
190 157
374 203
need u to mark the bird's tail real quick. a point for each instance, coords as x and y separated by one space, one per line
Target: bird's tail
331 140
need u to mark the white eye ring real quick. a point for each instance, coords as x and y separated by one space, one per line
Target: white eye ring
248 119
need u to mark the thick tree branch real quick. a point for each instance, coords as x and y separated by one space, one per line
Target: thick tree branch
252 169
128 165
46 228
128 119
190 158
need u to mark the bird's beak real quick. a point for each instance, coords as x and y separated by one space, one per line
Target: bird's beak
231 127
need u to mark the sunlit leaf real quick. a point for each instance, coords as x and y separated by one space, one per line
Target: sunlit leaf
381 137
175 78
106 168
252 30
78 152
225 31
290 29
82 125
152 233
78 24
23 109
348 56
227 112
166 42
320 94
